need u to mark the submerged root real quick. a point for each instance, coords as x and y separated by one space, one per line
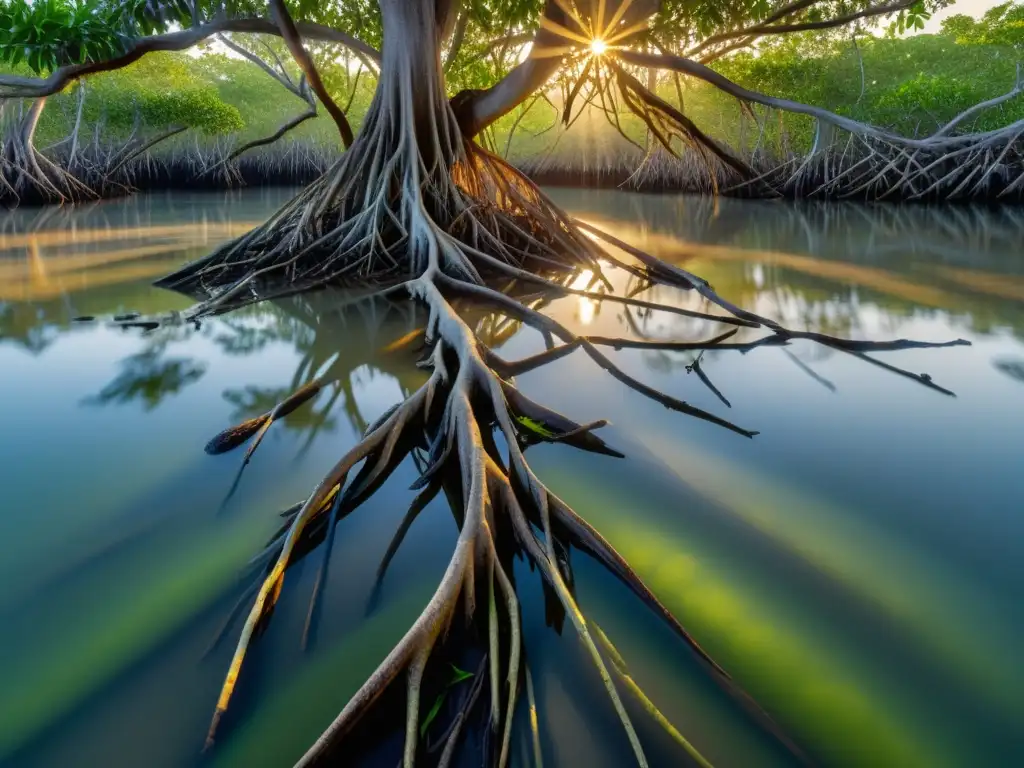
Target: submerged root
502 507
453 413
419 211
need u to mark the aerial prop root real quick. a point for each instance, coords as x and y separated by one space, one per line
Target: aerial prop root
26 173
485 218
474 549
494 498
366 221
875 163
487 492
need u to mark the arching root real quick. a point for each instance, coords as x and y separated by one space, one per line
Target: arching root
423 214
28 176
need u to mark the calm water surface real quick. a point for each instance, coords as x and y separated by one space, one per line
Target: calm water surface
857 567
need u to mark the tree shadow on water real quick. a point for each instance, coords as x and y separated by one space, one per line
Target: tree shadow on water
1012 368
148 378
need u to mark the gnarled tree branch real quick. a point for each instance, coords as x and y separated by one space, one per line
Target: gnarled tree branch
705 73
770 25
476 110
279 13
15 86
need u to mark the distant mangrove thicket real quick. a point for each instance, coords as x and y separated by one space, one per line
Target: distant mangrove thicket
176 118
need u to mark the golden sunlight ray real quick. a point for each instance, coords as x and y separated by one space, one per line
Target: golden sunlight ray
623 33
558 29
571 13
617 16
550 51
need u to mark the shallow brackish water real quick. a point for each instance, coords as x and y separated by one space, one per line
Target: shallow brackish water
856 567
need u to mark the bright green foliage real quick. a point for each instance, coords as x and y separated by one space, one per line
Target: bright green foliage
912 19
535 426
198 108
165 90
945 95
1002 25
684 23
910 85
264 105
46 34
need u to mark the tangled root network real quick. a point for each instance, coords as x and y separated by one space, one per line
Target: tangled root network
28 176
436 219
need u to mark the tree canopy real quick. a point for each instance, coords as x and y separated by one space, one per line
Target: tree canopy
485 40
47 34
1001 25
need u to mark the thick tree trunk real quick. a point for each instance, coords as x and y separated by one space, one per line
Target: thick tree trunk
410 92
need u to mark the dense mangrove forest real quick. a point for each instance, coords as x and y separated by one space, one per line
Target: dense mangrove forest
238 115
511 382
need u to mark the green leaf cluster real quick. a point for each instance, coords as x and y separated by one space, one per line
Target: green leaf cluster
47 34
1001 25
911 19
163 90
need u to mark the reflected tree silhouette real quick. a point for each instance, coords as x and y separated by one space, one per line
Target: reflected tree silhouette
149 377
26 326
313 324
1012 368
841 319
961 259
250 330
310 324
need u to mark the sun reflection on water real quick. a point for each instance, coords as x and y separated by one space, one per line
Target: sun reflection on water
587 307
